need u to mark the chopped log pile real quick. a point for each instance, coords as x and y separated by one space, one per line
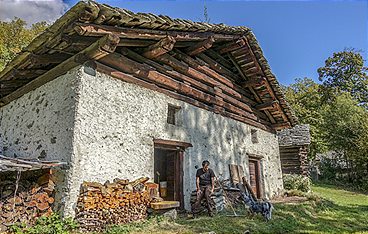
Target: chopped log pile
120 202
24 200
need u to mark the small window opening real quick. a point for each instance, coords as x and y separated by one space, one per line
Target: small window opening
172 114
254 135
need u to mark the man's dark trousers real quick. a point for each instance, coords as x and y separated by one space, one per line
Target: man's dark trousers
205 191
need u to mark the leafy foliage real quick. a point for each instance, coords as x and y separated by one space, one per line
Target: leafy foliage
345 72
337 113
297 182
14 36
306 100
53 224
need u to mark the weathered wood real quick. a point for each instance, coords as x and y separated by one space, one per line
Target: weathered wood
134 80
97 50
48 58
167 71
127 65
135 33
201 46
215 65
279 126
232 46
161 47
251 83
202 73
267 105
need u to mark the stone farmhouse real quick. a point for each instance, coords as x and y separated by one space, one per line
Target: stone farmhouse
117 94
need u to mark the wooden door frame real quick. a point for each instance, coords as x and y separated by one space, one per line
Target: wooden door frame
179 147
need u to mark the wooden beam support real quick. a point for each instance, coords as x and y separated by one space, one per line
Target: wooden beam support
252 83
167 71
267 105
241 42
223 82
161 47
129 66
215 65
135 33
280 126
48 58
200 47
97 50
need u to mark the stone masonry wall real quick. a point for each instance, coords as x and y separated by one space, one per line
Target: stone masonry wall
39 125
116 123
298 135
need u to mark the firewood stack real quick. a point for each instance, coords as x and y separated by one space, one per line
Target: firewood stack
119 202
31 200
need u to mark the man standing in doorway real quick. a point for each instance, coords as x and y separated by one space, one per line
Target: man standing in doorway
205 183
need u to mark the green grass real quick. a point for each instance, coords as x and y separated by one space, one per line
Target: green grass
343 212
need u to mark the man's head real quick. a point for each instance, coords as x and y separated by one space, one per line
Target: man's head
205 165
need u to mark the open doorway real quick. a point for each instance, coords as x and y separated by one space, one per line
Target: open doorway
168 168
165 166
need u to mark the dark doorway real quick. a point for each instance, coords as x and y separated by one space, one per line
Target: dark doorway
168 162
166 167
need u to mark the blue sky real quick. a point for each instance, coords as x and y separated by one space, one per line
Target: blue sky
296 36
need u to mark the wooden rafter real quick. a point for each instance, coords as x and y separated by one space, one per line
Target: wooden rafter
253 82
267 105
97 50
200 46
48 58
279 126
161 47
231 46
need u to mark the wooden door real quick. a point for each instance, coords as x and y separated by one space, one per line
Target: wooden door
254 180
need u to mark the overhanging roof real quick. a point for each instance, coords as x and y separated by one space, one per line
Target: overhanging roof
235 48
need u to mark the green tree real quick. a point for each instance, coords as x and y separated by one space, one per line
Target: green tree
345 72
345 128
305 98
14 36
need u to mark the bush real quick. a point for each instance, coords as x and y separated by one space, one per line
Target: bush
297 182
53 224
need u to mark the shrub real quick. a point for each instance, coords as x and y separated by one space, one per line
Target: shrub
53 224
297 182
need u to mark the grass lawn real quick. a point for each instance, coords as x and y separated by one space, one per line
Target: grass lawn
344 212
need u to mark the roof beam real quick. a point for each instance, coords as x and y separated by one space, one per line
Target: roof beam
241 42
135 33
159 48
251 83
97 50
48 58
200 47
280 126
267 105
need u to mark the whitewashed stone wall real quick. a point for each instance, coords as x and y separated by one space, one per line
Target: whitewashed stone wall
116 123
39 125
105 129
